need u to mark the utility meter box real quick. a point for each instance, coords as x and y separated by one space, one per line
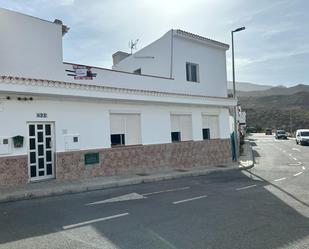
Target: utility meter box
5 145
72 142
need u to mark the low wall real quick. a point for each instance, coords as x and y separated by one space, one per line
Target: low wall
13 170
124 160
144 159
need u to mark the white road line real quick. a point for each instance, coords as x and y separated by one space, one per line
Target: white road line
299 173
94 221
280 179
191 199
296 149
290 154
304 168
295 164
165 191
295 158
127 197
250 186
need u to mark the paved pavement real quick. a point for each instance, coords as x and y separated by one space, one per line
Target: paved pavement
264 207
54 187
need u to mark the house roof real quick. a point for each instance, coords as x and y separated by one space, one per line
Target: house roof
21 85
201 38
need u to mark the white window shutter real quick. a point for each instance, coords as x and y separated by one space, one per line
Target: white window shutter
117 124
212 123
186 127
175 123
133 129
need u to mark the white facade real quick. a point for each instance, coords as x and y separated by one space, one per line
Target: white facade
168 56
90 120
30 47
84 111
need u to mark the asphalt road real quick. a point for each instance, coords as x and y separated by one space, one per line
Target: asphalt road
266 207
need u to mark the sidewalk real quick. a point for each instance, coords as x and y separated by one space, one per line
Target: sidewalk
246 159
54 187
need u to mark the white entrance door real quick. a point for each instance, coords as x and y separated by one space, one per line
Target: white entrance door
40 151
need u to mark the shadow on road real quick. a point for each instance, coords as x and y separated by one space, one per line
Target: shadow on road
251 218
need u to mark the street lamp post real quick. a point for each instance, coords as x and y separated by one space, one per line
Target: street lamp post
234 93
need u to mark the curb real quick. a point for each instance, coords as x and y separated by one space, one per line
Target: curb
74 189
252 158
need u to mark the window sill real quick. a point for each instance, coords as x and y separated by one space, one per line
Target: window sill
193 81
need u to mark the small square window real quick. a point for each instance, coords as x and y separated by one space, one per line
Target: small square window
5 141
75 139
175 136
117 139
206 134
192 72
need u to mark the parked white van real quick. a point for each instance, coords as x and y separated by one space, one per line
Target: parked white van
302 136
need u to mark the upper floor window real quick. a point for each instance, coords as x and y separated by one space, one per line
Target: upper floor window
192 72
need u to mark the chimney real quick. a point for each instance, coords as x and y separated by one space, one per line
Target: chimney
119 56
65 28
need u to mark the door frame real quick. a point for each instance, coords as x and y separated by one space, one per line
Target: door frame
53 151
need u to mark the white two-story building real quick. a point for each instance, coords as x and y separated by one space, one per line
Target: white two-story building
163 107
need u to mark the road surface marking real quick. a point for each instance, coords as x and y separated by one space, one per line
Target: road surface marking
304 168
191 199
299 173
280 179
295 158
165 191
94 221
296 149
290 154
250 186
127 197
295 164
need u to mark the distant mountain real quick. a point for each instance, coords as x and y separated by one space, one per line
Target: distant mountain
286 107
248 87
279 90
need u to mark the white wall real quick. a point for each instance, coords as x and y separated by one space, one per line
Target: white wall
211 61
212 66
91 120
159 65
30 47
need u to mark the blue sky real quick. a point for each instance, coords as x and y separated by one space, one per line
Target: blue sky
274 48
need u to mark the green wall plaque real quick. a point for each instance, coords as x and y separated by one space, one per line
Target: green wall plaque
92 158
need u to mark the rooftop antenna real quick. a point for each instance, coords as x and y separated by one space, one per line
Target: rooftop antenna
133 45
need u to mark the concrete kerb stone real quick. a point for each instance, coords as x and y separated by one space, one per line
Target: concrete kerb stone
247 160
78 188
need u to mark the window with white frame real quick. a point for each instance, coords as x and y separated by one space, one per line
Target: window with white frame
192 72
125 129
181 127
210 127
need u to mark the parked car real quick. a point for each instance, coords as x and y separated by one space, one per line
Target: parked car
281 134
268 131
302 136
251 130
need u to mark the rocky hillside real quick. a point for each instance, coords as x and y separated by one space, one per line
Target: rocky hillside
277 107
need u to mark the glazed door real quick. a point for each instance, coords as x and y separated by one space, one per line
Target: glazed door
41 151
